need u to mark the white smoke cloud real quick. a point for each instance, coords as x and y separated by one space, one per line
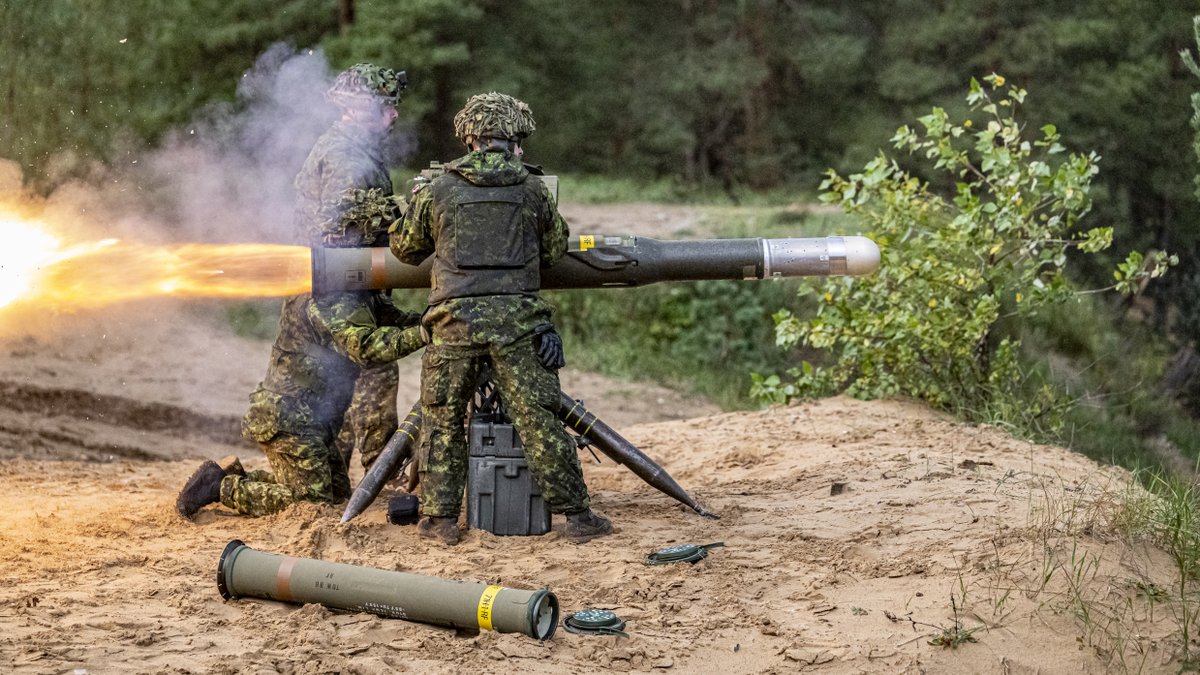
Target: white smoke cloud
228 175
224 177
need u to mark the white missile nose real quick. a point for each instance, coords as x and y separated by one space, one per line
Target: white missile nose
862 255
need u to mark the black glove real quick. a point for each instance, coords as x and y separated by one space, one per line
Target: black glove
549 349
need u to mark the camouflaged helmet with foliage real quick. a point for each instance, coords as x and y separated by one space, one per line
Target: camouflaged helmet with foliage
493 115
364 82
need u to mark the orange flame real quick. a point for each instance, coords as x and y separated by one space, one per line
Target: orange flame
36 268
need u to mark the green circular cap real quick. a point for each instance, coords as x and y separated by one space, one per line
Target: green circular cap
594 622
681 553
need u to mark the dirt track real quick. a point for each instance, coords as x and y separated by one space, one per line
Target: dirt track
849 526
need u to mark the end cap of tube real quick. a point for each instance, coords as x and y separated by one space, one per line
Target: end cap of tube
543 614
862 255
230 548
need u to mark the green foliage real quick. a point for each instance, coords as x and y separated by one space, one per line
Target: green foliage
600 189
87 81
1170 517
1106 435
702 336
1190 61
931 323
1109 368
954 636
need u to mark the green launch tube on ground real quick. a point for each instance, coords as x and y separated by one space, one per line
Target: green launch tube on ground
245 572
600 261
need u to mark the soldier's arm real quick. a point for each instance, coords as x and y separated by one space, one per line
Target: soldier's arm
388 314
353 331
411 237
555 231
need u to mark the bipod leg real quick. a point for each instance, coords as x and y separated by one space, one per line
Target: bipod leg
607 440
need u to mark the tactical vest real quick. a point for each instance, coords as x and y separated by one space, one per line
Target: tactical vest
485 245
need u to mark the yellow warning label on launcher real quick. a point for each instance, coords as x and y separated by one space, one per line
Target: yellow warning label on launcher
586 241
486 601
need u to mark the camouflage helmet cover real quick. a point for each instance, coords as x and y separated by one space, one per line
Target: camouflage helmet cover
364 82
493 115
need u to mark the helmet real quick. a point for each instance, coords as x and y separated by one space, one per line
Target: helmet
493 116
365 82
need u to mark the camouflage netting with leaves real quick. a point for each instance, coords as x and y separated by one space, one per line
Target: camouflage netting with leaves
929 323
371 212
493 115
363 82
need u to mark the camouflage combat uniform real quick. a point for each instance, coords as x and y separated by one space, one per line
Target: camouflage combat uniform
346 159
491 226
331 384
294 414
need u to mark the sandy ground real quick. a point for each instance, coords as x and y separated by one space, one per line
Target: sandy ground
856 533
853 532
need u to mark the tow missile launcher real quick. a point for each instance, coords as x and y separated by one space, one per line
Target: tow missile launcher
603 261
593 261
598 261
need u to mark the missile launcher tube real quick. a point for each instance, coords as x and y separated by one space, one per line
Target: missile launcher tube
387 465
600 261
245 572
607 440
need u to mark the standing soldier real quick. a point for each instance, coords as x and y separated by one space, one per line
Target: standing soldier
491 226
326 344
348 157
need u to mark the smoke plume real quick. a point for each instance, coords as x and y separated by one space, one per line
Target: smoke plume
225 177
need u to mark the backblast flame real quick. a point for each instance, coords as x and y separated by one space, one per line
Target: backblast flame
23 251
37 269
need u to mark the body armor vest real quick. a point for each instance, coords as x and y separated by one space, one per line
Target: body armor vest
485 245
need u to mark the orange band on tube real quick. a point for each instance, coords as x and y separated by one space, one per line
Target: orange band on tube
283 579
378 267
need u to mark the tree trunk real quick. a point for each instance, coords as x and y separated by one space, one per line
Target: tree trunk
444 147
345 15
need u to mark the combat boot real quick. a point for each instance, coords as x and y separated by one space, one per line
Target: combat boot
587 525
202 489
439 527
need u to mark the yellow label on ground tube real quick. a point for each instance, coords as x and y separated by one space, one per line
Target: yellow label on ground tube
485 606
586 241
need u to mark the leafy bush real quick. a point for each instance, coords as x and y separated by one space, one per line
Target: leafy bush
940 320
702 336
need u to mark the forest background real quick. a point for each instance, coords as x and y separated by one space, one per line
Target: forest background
702 101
